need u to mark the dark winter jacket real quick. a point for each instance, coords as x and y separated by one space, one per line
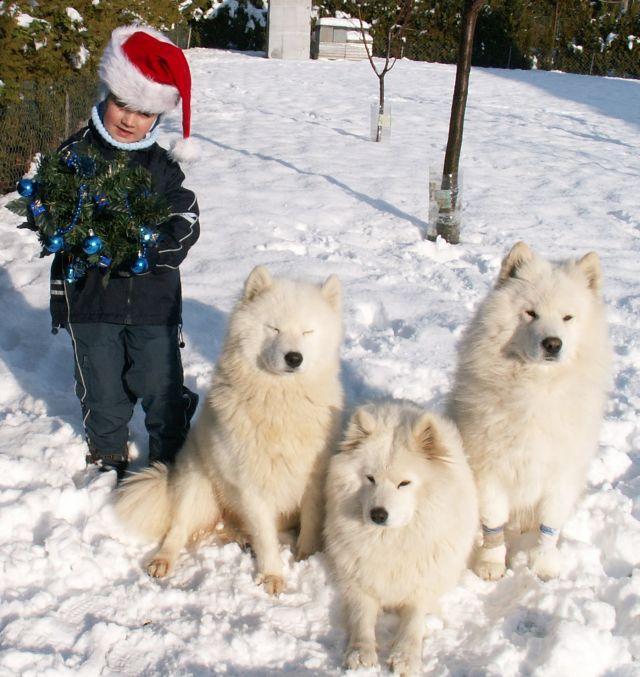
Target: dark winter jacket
156 296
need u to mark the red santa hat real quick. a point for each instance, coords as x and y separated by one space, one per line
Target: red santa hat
146 71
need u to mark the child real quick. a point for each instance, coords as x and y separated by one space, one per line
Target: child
125 334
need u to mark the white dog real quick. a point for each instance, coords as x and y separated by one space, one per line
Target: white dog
528 400
257 454
401 521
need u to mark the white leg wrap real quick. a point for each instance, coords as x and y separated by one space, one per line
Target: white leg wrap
492 537
547 536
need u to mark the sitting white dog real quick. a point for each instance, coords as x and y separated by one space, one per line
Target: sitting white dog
528 400
401 519
256 457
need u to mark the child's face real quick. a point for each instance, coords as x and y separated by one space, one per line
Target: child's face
126 125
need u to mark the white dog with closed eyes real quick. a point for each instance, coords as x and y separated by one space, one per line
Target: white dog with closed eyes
256 457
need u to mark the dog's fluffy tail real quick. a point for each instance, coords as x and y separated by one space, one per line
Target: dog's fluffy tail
143 502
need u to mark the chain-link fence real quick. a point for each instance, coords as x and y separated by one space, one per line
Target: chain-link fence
181 35
39 121
621 63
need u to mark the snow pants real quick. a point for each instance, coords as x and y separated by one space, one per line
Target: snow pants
115 366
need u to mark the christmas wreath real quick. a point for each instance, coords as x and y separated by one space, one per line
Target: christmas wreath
98 213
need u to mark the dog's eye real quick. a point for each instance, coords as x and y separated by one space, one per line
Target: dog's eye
306 333
371 479
275 330
404 483
532 314
566 318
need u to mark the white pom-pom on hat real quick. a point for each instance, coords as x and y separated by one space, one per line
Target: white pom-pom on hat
185 150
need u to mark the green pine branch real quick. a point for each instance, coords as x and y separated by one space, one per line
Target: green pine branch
130 204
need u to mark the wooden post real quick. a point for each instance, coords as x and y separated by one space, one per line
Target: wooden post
67 116
447 226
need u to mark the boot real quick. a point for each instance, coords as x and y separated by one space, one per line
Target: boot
191 402
117 461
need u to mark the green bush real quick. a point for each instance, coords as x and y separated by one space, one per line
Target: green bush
239 24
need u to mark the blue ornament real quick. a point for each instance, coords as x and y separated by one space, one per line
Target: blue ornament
55 244
104 261
74 271
140 265
92 245
26 187
37 207
101 200
146 235
70 159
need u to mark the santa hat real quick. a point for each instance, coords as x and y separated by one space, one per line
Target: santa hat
145 70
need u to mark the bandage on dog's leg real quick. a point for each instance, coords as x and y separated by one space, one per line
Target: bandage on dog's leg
493 537
548 536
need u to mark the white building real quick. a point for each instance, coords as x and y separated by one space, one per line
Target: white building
339 39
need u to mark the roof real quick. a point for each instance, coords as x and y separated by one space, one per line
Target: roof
342 23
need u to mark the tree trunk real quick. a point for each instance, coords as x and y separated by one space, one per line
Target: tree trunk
447 226
380 107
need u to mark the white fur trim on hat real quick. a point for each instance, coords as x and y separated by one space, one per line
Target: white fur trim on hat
127 83
185 150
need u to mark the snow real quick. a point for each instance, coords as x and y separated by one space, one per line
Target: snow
79 59
25 20
289 179
74 15
346 22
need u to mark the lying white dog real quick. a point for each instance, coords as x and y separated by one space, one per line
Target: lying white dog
528 400
257 455
401 520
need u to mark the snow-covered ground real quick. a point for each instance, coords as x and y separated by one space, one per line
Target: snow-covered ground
289 179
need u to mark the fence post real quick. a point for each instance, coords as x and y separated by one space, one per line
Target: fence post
67 116
593 56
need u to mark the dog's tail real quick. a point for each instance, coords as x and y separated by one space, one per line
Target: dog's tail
143 502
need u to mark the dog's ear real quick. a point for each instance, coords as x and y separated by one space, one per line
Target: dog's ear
331 291
589 265
361 425
425 432
259 279
520 253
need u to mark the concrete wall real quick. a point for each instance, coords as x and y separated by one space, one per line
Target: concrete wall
289 29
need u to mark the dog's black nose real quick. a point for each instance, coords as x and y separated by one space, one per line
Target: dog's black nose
293 360
379 515
552 345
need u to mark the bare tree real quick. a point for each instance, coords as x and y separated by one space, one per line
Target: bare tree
447 225
394 35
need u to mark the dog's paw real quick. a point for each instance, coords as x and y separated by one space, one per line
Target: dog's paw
272 583
158 567
489 571
363 656
404 663
306 547
489 563
545 563
303 553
